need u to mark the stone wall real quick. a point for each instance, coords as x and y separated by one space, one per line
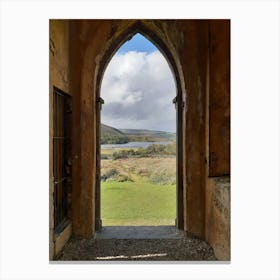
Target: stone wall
219 99
217 204
59 54
58 77
218 216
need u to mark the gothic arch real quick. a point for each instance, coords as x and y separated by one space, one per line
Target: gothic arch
90 53
109 50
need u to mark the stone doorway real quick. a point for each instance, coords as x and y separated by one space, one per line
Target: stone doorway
177 101
151 95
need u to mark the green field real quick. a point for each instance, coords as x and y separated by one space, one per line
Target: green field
138 191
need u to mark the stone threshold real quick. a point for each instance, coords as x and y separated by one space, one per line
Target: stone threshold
139 232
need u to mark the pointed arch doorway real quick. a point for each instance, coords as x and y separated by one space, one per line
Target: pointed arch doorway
111 49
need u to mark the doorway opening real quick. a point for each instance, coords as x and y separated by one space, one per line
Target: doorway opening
138 183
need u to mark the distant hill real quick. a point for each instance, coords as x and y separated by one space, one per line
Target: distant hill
148 135
111 135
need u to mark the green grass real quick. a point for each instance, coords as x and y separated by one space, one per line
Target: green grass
137 203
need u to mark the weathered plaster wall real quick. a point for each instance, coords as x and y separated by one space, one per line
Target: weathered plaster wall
58 77
193 56
217 207
219 102
59 54
218 216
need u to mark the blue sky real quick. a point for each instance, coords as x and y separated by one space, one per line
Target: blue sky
138 43
138 88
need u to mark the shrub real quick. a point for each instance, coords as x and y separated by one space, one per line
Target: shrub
109 174
162 177
124 178
143 172
104 156
120 154
152 150
114 175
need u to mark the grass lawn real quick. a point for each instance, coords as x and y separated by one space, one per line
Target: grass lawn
137 203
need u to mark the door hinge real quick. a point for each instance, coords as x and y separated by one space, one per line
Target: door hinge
175 101
100 100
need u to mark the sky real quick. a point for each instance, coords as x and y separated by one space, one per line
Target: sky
138 43
138 88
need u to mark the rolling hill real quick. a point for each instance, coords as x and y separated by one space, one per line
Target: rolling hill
148 135
111 135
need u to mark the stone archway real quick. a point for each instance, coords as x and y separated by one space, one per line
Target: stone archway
89 55
111 47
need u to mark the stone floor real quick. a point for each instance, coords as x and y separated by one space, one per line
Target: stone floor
139 232
160 243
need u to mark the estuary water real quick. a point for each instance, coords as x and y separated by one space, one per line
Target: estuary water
133 145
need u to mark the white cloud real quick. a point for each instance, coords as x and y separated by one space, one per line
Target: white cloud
138 89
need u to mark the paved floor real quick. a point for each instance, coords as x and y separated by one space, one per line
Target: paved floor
137 244
139 232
